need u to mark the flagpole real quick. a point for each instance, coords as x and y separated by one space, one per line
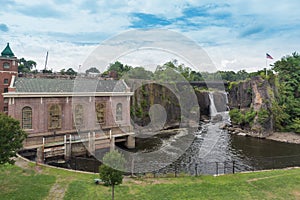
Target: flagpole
266 66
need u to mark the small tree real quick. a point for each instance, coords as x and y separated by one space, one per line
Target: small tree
111 171
92 70
11 138
71 72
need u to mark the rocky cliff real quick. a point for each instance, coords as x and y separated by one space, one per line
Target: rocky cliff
147 94
253 98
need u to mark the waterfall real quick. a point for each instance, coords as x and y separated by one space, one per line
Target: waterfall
213 110
212 107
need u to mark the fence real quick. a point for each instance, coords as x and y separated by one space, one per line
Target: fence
196 169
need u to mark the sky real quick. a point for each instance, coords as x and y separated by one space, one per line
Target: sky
235 35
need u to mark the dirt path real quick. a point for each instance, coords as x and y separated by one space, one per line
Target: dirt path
57 191
59 188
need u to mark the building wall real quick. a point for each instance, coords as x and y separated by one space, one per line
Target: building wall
40 115
6 74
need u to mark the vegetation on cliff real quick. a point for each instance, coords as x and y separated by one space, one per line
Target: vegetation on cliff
288 70
276 97
276 94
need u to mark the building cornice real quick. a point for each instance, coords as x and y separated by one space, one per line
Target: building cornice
65 94
11 72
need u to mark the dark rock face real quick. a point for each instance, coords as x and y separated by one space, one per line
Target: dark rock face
262 100
240 95
150 94
220 100
204 102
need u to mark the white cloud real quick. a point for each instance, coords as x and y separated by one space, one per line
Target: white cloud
251 29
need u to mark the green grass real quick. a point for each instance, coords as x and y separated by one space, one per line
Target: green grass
17 183
35 182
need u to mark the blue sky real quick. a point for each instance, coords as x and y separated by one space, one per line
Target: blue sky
236 34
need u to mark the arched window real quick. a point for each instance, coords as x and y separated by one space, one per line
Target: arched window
119 112
6 65
27 118
54 116
100 113
78 115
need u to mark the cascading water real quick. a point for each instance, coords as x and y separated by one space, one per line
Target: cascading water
212 107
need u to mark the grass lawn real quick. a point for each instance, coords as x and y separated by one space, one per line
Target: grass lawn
38 182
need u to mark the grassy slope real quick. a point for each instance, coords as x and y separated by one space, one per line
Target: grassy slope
36 182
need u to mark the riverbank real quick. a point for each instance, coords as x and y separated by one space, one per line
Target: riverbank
288 137
32 181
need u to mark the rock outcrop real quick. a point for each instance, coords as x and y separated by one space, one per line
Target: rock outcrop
150 93
256 94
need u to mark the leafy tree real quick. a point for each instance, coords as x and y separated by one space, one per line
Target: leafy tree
62 71
47 71
92 70
236 116
242 118
119 68
26 65
296 125
138 73
196 76
263 116
71 72
11 138
288 70
170 72
111 170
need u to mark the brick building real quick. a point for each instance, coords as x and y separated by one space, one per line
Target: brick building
8 68
50 108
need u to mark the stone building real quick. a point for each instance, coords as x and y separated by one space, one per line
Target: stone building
8 68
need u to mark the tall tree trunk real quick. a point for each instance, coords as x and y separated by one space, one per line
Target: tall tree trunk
112 191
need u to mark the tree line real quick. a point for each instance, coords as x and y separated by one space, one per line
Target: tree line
176 72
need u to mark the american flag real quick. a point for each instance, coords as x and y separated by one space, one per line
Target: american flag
269 56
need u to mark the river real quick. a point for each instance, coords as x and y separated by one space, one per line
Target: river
215 151
208 150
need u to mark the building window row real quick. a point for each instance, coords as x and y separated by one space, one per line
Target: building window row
55 115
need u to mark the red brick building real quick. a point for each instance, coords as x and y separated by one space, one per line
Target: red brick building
8 68
58 107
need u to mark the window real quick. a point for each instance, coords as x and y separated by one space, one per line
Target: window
5 81
100 113
5 90
119 112
5 109
54 116
6 65
78 115
27 118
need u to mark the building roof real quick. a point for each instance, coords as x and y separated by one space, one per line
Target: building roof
7 52
41 85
